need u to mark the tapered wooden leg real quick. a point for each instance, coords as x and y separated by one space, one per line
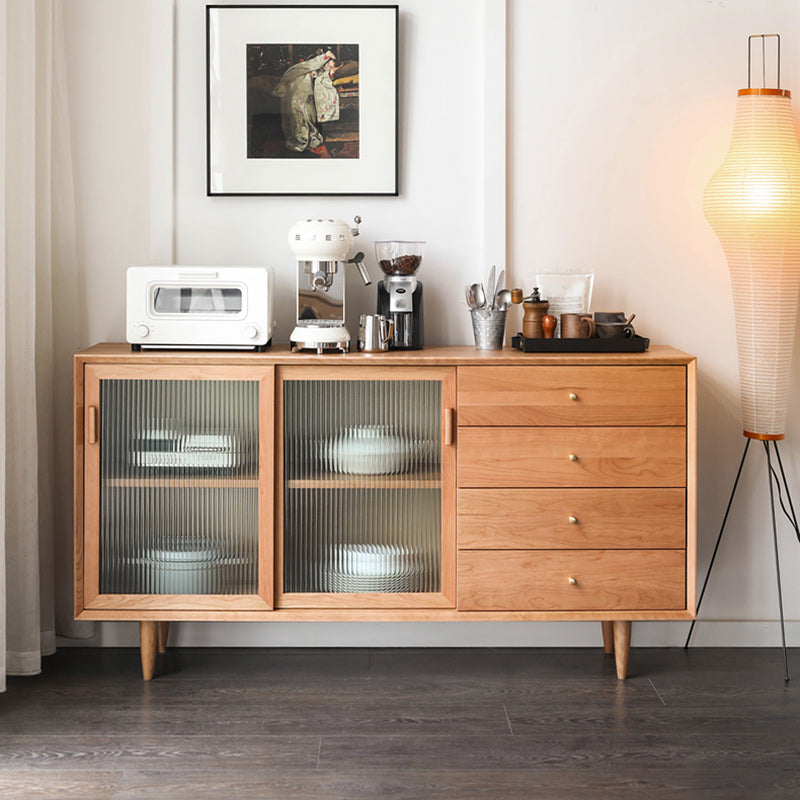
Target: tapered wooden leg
622 647
148 638
608 637
163 634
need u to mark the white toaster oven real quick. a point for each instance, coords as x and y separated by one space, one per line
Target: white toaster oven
200 307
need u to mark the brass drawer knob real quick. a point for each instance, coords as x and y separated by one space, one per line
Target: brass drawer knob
572 581
573 520
573 457
573 396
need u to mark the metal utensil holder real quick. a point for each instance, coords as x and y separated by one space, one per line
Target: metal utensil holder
488 326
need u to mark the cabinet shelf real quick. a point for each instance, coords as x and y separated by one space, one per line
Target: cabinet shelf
183 483
422 479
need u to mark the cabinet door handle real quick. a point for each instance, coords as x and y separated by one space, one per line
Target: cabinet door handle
449 426
91 424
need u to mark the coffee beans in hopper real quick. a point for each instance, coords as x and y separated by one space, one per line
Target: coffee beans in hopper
403 265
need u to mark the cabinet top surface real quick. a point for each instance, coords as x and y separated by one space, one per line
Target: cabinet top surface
461 355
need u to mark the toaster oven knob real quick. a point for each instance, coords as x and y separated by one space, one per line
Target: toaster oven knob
142 330
251 332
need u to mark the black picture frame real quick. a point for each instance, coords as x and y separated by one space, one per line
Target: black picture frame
279 122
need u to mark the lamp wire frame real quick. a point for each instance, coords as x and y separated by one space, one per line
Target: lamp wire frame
781 485
772 478
764 37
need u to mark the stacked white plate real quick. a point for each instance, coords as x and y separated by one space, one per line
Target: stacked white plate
163 448
190 567
372 568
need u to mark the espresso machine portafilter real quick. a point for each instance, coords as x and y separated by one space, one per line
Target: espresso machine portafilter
321 247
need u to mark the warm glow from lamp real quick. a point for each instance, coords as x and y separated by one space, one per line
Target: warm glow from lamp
763 196
753 205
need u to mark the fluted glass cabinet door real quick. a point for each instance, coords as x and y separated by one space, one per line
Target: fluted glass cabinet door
367 487
178 466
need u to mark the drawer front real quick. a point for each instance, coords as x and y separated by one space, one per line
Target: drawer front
571 457
564 519
559 580
572 395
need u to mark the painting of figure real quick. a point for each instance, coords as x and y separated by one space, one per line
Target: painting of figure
302 101
290 111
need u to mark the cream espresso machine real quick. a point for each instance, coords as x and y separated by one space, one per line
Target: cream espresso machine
321 248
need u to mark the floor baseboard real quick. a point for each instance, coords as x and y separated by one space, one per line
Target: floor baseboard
711 633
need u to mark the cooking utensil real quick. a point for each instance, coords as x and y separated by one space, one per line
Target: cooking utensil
470 297
501 276
478 296
490 287
374 332
502 300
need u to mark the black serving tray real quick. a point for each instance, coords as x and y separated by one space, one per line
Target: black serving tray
635 344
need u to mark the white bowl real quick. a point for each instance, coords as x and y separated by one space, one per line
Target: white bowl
368 450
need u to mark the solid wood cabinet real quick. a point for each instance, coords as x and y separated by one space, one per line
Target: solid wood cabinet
445 484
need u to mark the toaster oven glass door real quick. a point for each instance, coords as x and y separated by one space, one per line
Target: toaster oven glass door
200 300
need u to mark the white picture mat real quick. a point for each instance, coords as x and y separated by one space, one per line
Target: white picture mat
231 30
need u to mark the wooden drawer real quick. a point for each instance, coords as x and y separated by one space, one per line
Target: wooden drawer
572 395
539 580
562 519
541 457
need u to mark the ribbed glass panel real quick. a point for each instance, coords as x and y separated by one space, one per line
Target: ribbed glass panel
753 205
362 496
179 496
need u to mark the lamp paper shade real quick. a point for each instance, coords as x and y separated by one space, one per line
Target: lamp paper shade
753 204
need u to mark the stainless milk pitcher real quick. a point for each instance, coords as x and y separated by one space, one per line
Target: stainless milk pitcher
374 332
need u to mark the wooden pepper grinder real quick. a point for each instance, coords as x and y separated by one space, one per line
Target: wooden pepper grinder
535 309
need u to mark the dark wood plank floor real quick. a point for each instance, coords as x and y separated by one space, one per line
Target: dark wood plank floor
358 724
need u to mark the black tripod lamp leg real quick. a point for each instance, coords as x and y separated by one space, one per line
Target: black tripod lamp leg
719 539
777 560
793 518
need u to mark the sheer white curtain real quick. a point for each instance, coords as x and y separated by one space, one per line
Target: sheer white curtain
39 329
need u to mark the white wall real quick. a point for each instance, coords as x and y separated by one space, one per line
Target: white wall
108 64
618 114
439 176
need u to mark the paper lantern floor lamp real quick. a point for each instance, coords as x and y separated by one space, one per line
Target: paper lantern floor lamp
753 205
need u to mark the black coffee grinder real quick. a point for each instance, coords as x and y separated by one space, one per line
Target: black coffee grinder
400 293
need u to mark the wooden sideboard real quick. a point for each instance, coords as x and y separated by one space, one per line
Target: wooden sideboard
438 485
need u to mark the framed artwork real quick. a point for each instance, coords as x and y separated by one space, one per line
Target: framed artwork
302 100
